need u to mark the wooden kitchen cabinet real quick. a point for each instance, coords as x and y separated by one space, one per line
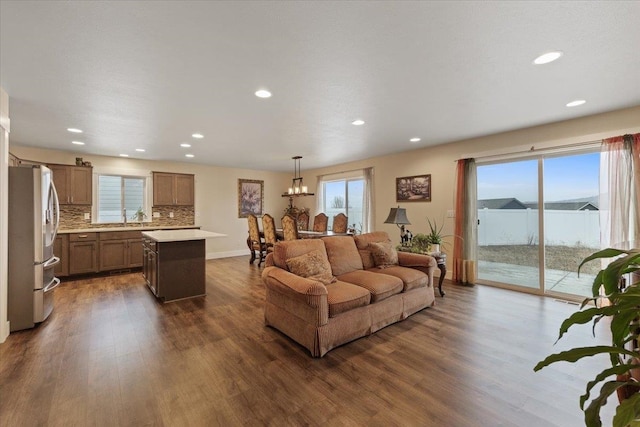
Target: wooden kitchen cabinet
173 189
83 253
120 250
73 184
61 250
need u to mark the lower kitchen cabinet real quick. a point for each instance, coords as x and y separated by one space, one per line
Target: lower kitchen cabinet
120 250
61 250
83 253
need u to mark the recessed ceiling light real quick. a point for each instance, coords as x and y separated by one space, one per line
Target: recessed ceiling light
415 140
74 130
358 122
140 150
547 57
189 155
185 145
198 135
77 142
576 103
263 93
124 155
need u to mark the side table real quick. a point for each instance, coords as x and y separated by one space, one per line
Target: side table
441 259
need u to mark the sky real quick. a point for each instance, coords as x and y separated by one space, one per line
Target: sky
565 178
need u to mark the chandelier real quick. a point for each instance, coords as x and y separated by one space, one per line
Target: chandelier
297 186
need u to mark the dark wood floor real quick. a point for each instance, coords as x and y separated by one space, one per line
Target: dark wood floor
111 355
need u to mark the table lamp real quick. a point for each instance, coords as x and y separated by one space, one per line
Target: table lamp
398 216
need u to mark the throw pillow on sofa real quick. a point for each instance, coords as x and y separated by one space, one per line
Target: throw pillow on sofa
384 254
312 265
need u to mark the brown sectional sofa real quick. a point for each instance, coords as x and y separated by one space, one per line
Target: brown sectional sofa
356 297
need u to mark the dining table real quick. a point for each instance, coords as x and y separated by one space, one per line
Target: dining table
308 234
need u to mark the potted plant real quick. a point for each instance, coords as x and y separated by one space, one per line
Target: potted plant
623 313
139 215
435 235
420 243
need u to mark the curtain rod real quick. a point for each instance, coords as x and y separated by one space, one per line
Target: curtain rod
532 150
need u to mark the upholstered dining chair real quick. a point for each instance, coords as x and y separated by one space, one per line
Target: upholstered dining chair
255 242
320 222
339 223
269 230
289 228
303 221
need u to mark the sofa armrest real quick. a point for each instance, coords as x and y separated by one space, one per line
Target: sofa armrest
300 296
409 259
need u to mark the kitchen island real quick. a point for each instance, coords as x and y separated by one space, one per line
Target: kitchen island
174 262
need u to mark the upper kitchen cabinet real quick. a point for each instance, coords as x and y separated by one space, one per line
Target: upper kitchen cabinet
173 189
73 183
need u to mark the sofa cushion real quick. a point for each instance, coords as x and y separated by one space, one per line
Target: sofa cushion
343 254
362 243
411 277
342 297
284 250
384 254
312 265
380 286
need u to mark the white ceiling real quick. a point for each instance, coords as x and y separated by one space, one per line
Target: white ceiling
149 74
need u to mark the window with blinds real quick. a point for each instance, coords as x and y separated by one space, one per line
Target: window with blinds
118 194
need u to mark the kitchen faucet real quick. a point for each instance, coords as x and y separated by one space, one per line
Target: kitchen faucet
125 216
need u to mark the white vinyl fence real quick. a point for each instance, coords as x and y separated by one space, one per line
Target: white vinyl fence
520 227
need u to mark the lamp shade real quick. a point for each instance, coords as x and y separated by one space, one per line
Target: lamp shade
397 216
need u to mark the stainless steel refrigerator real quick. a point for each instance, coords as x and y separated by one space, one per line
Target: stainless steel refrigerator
34 216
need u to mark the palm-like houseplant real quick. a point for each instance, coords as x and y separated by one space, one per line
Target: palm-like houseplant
624 315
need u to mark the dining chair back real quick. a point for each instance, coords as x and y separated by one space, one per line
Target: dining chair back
340 223
320 222
269 230
289 228
256 243
303 221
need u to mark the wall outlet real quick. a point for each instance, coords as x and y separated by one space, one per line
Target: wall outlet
170 214
87 216
156 214
451 214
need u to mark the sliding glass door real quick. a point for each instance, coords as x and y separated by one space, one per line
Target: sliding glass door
508 224
524 243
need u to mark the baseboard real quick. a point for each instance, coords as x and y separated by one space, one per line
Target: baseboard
227 254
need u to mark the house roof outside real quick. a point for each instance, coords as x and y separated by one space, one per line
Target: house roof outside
506 203
565 206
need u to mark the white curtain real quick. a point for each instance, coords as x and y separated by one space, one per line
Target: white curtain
619 187
368 202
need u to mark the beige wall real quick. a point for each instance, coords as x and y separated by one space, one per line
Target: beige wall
216 206
216 194
439 161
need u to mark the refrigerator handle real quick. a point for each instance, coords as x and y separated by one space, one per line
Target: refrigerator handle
51 261
55 200
54 284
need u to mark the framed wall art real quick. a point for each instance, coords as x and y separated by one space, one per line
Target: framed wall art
250 197
413 188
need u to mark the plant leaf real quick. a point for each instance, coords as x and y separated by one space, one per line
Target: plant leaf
614 370
584 316
578 353
592 413
627 411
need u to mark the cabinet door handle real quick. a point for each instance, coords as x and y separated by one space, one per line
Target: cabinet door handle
82 236
71 199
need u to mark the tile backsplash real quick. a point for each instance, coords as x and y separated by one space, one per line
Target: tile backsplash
72 217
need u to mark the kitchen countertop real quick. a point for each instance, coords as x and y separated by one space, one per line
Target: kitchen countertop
180 235
127 228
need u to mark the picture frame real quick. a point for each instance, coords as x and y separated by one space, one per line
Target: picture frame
415 188
250 197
